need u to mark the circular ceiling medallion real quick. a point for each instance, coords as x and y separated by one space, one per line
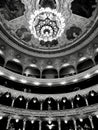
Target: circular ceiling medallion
46 24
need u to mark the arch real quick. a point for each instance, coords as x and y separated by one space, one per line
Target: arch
49 73
79 101
14 66
96 58
20 102
67 71
32 72
85 65
6 99
34 104
2 61
50 104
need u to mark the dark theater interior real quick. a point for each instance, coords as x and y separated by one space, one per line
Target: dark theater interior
48 64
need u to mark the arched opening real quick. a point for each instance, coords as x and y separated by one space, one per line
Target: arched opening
20 102
32 72
14 66
2 60
50 104
85 65
49 73
67 71
96 58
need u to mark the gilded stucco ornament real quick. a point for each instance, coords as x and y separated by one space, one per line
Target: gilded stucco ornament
46 24
46 28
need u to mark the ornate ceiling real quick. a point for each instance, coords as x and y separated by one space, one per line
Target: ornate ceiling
48 64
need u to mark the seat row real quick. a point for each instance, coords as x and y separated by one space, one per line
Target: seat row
45 89
84 123
48 73
49 103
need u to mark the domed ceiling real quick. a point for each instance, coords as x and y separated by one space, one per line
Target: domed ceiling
48 26
48 65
